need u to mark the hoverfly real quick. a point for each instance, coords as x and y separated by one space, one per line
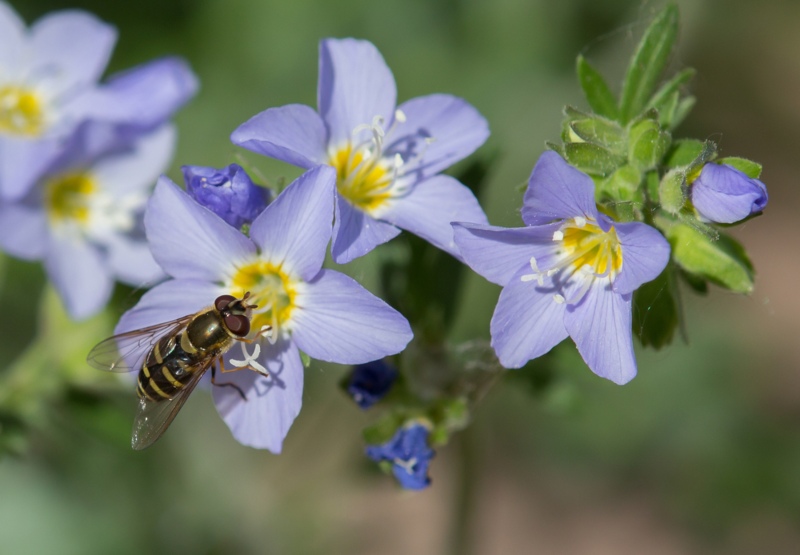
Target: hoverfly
171 357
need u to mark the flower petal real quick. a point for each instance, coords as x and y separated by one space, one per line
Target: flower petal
189 241
295 229
136 170
71 49
24 231
498 253
527 321
430 207
726 195
355 233
22 162
355 85
79 274
272 403
556 190
295 134
645 253
131 261
600 325
438 131
12 29
168 301
340 321
144 96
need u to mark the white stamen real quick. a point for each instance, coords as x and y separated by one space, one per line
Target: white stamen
559 299
408 465
400 116
580 221
249 360
558 235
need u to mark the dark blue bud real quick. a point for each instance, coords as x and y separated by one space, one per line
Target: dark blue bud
370 382
228 192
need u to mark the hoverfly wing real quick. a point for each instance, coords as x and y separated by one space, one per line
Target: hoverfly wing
154 417
125 352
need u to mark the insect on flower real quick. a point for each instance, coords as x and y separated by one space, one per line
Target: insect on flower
173 356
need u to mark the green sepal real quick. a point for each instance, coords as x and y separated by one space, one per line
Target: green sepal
697 283
449 415
621 186
748 167
671 191
647 144
306 359
711 255
555 147
596 90
690 154
592 159
657 310
648 63
599 131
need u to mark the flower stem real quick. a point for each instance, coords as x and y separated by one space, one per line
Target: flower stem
462 532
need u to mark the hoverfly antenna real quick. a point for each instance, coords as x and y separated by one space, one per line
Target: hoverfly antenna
246 294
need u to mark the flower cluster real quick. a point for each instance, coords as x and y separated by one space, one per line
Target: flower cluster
618 203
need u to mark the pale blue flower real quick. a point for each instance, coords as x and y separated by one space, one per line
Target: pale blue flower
571 272
725 195
323 313
388 158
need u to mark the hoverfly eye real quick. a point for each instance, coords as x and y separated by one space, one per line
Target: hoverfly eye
238 324
223 301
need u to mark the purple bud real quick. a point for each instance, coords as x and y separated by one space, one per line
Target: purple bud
409 453
228 192
369 382
725 195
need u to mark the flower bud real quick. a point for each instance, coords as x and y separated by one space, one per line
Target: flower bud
409 454
228 192
369 382
725 195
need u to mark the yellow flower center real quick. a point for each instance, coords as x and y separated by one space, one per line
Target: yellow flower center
66 196
20 112
271 289
363 177
587 245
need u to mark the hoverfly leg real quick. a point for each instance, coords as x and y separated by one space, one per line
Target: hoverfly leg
227 384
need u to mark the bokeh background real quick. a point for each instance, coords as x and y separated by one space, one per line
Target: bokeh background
699 454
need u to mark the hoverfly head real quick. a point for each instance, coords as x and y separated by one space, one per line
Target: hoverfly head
235 313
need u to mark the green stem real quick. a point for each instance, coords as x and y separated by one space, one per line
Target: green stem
462 537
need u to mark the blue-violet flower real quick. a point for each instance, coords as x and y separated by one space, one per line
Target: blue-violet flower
370 382
725 195
571 272
324 313
228 192
387 158
409 453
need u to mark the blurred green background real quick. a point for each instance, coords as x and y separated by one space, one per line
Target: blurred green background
699 454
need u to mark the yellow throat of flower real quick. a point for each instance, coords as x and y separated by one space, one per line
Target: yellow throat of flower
66 196
271 289
587 245
363 177
21 112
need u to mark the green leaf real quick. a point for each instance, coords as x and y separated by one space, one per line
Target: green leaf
657 310
667 97
748 167
592 159
697 283
648 63
598 95
599 131
684 107
647 144
718 258
666 110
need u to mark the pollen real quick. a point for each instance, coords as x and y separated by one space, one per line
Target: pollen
585 244
21 112
272 289
67 196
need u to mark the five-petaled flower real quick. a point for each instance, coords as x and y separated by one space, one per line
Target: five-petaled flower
409 453
387 158
324 313
571 272
725 195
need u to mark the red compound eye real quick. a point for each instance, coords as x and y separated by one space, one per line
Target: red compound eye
238 324
223 301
